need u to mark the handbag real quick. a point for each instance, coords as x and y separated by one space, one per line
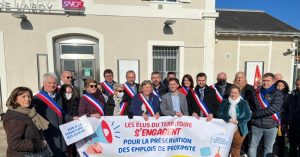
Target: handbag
44 153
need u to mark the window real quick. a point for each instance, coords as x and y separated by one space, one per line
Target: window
77 49
165 59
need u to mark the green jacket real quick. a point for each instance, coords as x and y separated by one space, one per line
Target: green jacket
243 114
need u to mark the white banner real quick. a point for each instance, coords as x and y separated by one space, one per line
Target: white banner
166 137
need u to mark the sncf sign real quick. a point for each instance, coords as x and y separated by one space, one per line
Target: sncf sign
72 4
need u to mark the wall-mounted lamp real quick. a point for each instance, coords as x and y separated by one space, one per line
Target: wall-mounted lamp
20 16
169 22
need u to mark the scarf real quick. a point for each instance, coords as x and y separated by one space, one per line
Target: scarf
233 103
38 120
266 91
117 109
241 86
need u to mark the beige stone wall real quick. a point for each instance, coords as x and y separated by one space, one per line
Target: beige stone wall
266 49
124 38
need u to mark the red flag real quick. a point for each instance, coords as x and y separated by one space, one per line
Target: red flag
257 77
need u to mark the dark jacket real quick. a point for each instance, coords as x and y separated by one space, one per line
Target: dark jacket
127 98
292 107
105 91
53 135
243 113
136 105
110 106
162 89
70 106
247 93
85 108
226 92
210 100
262 118
22 134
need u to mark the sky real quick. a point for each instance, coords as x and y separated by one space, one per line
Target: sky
287 11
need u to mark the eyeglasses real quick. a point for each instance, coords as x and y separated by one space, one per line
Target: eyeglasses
108 76
69 77
119 90
93 86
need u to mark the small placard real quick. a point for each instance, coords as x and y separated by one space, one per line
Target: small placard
76 130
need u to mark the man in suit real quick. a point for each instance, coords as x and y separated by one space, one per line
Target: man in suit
222 85
174 102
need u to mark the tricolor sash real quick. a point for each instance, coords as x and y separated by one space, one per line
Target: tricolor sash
148 104
123 107
218 94
157 94
50 103
129 90
184 90
95 103
108 87
264 104
202 106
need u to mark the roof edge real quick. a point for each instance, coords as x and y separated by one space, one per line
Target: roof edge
239 10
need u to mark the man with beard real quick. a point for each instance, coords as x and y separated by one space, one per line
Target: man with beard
202 100
159 89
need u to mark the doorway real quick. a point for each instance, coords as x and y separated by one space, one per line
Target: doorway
78 54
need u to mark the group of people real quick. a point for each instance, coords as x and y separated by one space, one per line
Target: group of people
268 110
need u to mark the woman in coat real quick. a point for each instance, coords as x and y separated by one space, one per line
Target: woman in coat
236 111
92 103
23 125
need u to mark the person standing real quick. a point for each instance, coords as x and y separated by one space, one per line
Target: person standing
221 87
187 84
159 89
236 111
92 104
130 87
202 100
174 102
108 83
265 118
23 126
145 103
293 119
48 104
117 104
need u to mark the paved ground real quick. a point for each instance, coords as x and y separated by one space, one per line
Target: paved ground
3 143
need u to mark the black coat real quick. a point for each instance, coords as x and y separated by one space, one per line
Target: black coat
247 93
53 135
226 92
22 134
210 100
292 107
162 89
262 118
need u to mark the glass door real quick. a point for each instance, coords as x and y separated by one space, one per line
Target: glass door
81 69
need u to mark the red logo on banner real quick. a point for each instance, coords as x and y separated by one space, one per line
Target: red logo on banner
72 4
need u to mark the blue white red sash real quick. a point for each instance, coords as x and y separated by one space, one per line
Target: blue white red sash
200 103
218 94
129 90
184 90
157 94
50 103
108 88
123 107
264 104
148 104
95 103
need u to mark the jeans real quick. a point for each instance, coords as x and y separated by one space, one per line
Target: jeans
269 139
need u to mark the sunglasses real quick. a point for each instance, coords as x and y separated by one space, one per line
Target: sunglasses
119 90
69 77
93 86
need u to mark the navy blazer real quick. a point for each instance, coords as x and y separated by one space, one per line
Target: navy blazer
136 105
